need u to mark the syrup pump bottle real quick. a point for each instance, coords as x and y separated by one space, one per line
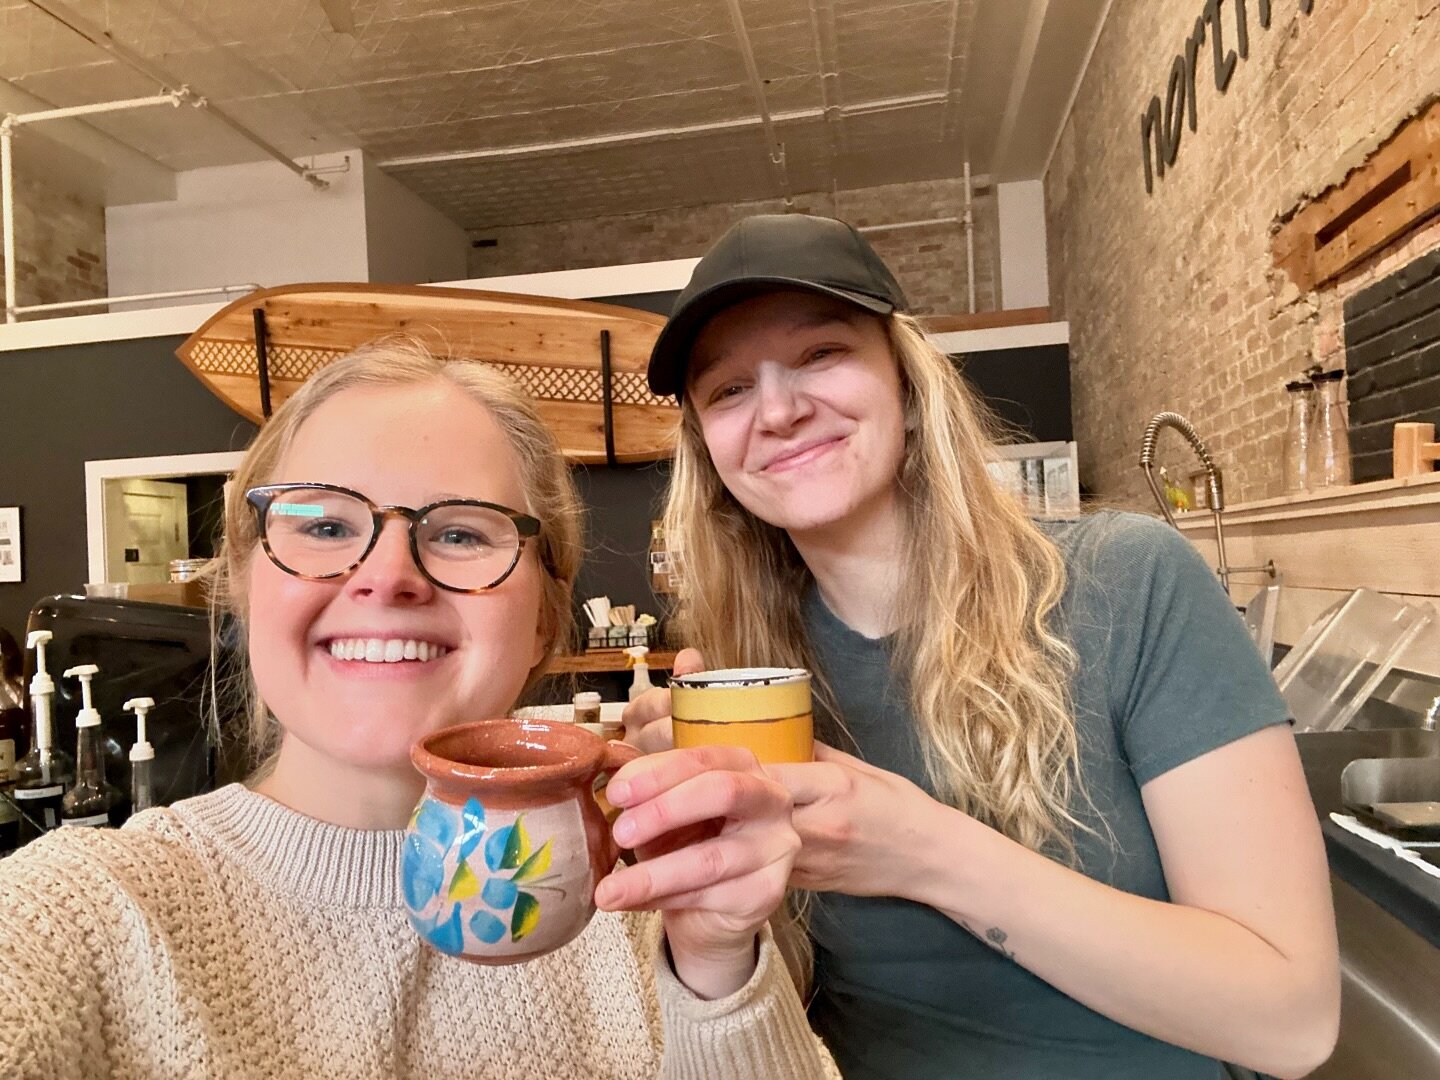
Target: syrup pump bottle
46 771
91 799
142 755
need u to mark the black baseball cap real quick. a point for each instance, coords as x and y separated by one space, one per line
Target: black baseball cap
759 255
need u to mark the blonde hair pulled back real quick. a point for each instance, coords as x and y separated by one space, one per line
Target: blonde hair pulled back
397 362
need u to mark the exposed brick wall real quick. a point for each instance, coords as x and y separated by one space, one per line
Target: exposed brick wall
59 244
929 262
1172 299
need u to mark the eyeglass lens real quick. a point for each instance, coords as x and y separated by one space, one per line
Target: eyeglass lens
316 532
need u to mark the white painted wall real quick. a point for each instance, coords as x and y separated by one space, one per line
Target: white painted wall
1024 272
408 241
257 222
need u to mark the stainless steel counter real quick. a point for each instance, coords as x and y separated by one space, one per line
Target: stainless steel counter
1387 913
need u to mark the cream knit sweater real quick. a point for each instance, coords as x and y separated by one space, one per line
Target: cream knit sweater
231 937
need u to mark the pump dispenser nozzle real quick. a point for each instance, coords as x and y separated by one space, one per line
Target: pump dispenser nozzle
41 683
142 750
142 792
88 716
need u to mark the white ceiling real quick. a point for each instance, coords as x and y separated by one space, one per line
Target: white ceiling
503 112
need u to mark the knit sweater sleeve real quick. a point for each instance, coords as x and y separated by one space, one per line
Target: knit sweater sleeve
59 931
760 1030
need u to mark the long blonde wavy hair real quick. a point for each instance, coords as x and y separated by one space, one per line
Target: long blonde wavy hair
988 674
550 496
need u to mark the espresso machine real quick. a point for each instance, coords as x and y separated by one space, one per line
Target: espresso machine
143 650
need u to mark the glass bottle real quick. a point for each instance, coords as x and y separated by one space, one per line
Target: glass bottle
90 800
1330 444
142 757
46 771
1299 435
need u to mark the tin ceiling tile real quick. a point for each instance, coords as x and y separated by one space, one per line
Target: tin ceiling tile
641 103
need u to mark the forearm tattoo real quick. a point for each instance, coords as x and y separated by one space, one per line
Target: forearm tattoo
994 937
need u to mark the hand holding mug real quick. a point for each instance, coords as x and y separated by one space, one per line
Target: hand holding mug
647 718
716 850
856 823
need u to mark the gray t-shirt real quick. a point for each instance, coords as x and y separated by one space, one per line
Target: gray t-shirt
1165 674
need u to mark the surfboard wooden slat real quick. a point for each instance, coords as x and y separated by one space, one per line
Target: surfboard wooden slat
550 347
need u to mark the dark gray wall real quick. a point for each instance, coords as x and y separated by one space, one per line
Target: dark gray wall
63 406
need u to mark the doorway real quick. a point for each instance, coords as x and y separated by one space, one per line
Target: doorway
143 512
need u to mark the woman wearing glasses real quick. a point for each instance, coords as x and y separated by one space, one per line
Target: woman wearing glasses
259 930
1073 839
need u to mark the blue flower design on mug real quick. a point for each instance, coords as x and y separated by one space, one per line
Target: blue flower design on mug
441 899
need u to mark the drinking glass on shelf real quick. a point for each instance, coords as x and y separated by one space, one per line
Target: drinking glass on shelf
1299 436
1330 442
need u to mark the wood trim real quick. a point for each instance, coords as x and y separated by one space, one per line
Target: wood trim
985 320
601 660
1394 190
1384 536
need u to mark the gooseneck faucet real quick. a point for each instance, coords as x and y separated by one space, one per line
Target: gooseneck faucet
1213 483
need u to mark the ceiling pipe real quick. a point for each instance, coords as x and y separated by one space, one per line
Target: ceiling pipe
774 148
951 70
649 135
968 220
8 123
102 39
822 26
179 97
900 226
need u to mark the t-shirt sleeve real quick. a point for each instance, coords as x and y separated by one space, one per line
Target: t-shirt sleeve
1185 677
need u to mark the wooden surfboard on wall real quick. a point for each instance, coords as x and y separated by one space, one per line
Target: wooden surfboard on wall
551 347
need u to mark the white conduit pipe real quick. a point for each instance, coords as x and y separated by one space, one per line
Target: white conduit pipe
899 226
7 194
101 39
968 219
774 149
170 97
134 298
8 123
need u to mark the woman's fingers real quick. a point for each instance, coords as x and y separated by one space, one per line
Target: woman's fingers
692 877
688 662
811 782
649 708
719 793
649 776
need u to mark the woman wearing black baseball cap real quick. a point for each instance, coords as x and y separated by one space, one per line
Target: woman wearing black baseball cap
1072 837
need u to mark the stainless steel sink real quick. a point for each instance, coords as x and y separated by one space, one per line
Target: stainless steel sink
1389 1014
1397 721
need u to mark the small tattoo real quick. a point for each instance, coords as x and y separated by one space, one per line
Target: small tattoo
997 938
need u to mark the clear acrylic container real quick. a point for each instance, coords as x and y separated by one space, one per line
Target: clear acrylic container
1343 656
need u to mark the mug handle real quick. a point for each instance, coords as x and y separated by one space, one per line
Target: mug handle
616 754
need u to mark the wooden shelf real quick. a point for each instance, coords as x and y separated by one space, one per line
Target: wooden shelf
601 660
1379 535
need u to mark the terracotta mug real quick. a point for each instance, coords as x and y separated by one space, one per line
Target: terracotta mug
506 846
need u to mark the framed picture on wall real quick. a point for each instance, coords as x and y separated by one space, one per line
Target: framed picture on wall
10 544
